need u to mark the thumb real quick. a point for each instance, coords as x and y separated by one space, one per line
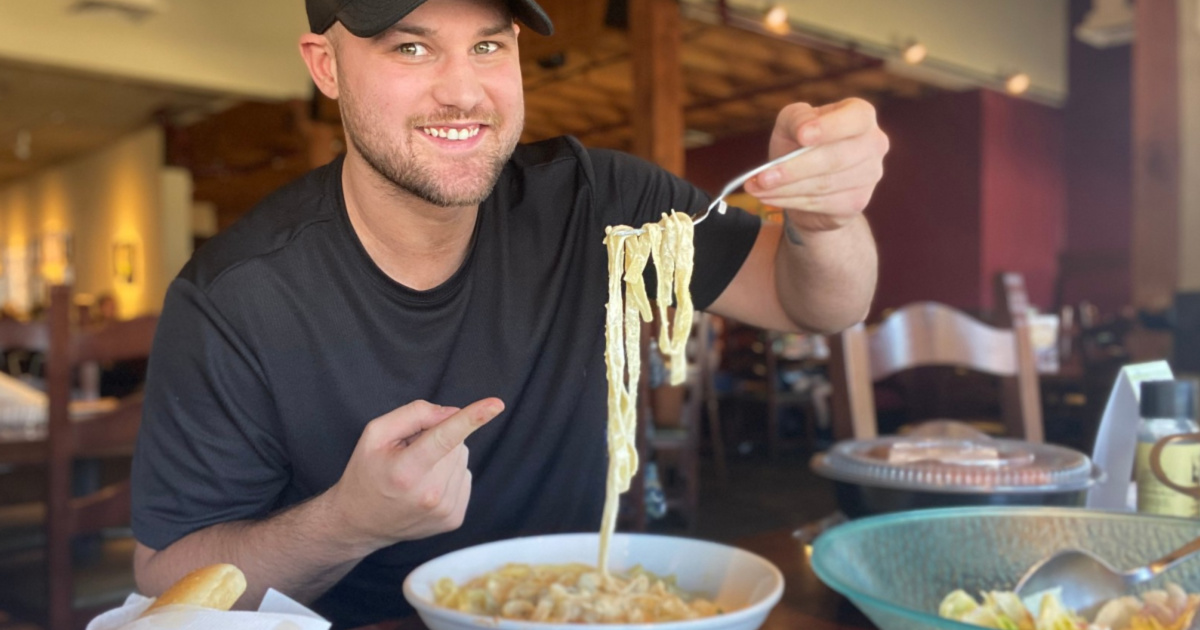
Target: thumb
788 125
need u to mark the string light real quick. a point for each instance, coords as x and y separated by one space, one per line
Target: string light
1017 83
776 20
915 53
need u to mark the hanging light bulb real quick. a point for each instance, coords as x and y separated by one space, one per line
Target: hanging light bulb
1017 83
914 53
776 20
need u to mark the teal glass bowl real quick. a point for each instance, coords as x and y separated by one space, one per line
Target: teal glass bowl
896 568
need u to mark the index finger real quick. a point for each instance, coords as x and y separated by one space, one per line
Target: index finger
844 119
437 441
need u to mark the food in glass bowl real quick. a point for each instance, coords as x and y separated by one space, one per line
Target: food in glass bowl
1169 609
573 593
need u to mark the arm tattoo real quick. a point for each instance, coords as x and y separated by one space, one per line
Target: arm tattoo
793 235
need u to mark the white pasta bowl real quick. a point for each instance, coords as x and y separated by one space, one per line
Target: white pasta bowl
740 582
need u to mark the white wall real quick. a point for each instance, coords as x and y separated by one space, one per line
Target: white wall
242 47
248 47
116 195
176 221
988 37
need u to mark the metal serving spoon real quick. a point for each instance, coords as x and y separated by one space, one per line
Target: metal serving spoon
1087 582
718 202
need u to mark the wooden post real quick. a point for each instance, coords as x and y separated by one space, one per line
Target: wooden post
655 40
59 530
1156 167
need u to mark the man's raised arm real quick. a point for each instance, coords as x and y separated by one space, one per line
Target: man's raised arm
816 272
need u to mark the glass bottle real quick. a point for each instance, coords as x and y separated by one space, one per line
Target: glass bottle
1168 408
656 499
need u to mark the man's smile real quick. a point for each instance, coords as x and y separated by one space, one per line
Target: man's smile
452 132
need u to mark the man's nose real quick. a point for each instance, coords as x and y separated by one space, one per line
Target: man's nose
459 85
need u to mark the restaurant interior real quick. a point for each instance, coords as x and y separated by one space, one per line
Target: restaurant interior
1036 213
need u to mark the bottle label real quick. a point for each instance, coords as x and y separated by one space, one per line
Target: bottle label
1181 462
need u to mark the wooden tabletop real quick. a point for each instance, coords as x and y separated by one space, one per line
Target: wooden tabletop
807 603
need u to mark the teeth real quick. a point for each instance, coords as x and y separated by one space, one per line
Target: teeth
451 133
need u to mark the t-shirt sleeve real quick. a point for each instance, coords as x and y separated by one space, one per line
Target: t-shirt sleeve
208 450
632 191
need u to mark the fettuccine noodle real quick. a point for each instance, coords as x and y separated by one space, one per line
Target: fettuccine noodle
669 244
576 593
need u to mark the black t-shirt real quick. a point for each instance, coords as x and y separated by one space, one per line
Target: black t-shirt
281 340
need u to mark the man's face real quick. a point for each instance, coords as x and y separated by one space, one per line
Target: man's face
435 104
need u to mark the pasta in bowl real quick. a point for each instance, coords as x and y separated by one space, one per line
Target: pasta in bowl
740 587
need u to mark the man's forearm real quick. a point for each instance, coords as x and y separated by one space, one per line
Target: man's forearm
826 280
300 552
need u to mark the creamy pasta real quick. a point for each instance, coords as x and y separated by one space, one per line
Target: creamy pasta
669 244
571 593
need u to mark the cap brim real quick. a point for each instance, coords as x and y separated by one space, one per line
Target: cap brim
533 16
368 18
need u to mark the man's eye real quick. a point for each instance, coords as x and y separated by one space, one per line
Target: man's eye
483 48
412 48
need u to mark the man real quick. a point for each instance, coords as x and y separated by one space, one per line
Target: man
320 366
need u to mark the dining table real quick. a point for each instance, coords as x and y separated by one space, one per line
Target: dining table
806 603
31 447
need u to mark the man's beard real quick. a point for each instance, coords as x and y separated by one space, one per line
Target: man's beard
401 165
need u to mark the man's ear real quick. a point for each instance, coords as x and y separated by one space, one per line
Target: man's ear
321 58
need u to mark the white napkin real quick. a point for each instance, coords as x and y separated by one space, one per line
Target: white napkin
276 612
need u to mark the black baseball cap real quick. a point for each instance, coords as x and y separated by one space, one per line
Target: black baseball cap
368 18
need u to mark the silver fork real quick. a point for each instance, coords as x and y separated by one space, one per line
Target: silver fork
719 201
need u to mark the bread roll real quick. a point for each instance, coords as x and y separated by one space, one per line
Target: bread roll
217 586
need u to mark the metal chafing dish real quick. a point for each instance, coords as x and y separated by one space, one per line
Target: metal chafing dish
896 473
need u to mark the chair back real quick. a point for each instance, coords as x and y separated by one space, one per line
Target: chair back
1010 298
21 404
109 431
932 334
682 407
17 337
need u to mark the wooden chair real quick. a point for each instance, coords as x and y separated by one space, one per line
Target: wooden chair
669 420
673 434
756 365
17 336
931 334
70 514
22 511
1010 298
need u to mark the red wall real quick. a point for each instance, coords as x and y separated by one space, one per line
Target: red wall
979 182
973 185
1099 173
1024 196
713 166
925 212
